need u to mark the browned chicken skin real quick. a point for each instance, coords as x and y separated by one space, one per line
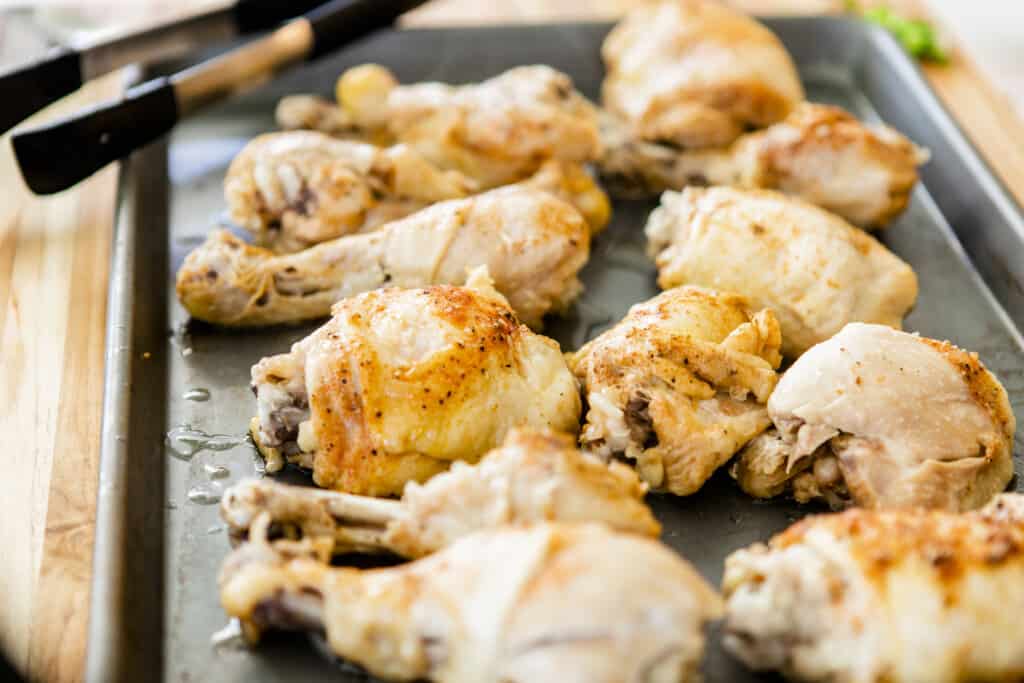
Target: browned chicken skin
533 476
875 417
402 382
903 596
679 385
532 243
819 153
572 603
696 74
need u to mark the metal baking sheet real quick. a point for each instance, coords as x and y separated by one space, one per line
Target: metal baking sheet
159 538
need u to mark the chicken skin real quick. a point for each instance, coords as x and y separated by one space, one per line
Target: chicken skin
813 269
573 603
879 418
295 189
402 382
533 476
532 243
496 132
902 596
696 74
679 385
819 153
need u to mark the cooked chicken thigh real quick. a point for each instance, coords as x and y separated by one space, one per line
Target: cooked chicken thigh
401 382
875 417
295 189
533 476
821 154
532 243
813 269
572 603
902 596
679 385
496 132
696 74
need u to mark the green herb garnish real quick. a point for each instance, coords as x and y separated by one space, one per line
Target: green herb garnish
917 36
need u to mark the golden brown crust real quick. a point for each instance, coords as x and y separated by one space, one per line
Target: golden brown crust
680 384
952 543
983 385
400 382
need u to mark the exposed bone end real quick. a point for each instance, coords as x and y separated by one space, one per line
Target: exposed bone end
274 585
273 459
362 93
224 279
352 523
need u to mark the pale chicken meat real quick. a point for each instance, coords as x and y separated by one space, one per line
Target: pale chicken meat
819 153
402 382
532 243
696 74
496 132
534 476
902 596
679 385
879 418
572 603
813 269
294 189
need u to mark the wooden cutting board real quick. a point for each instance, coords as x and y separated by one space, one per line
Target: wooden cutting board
54 256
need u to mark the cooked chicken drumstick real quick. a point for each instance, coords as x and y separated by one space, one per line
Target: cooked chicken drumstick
821 154
813 269
401 382
679 385
573 603
295 189
532 243
533 476
695 74
875 417
902 596
496 132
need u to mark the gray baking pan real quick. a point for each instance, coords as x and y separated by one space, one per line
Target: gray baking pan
177 399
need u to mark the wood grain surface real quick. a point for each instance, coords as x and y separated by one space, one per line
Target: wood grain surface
54 256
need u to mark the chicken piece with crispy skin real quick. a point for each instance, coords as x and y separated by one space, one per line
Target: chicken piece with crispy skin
819 153
294 189
679 385
534 476
496 132
813 269
879 418
696 74
402 382
574 603
532 243
902 596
